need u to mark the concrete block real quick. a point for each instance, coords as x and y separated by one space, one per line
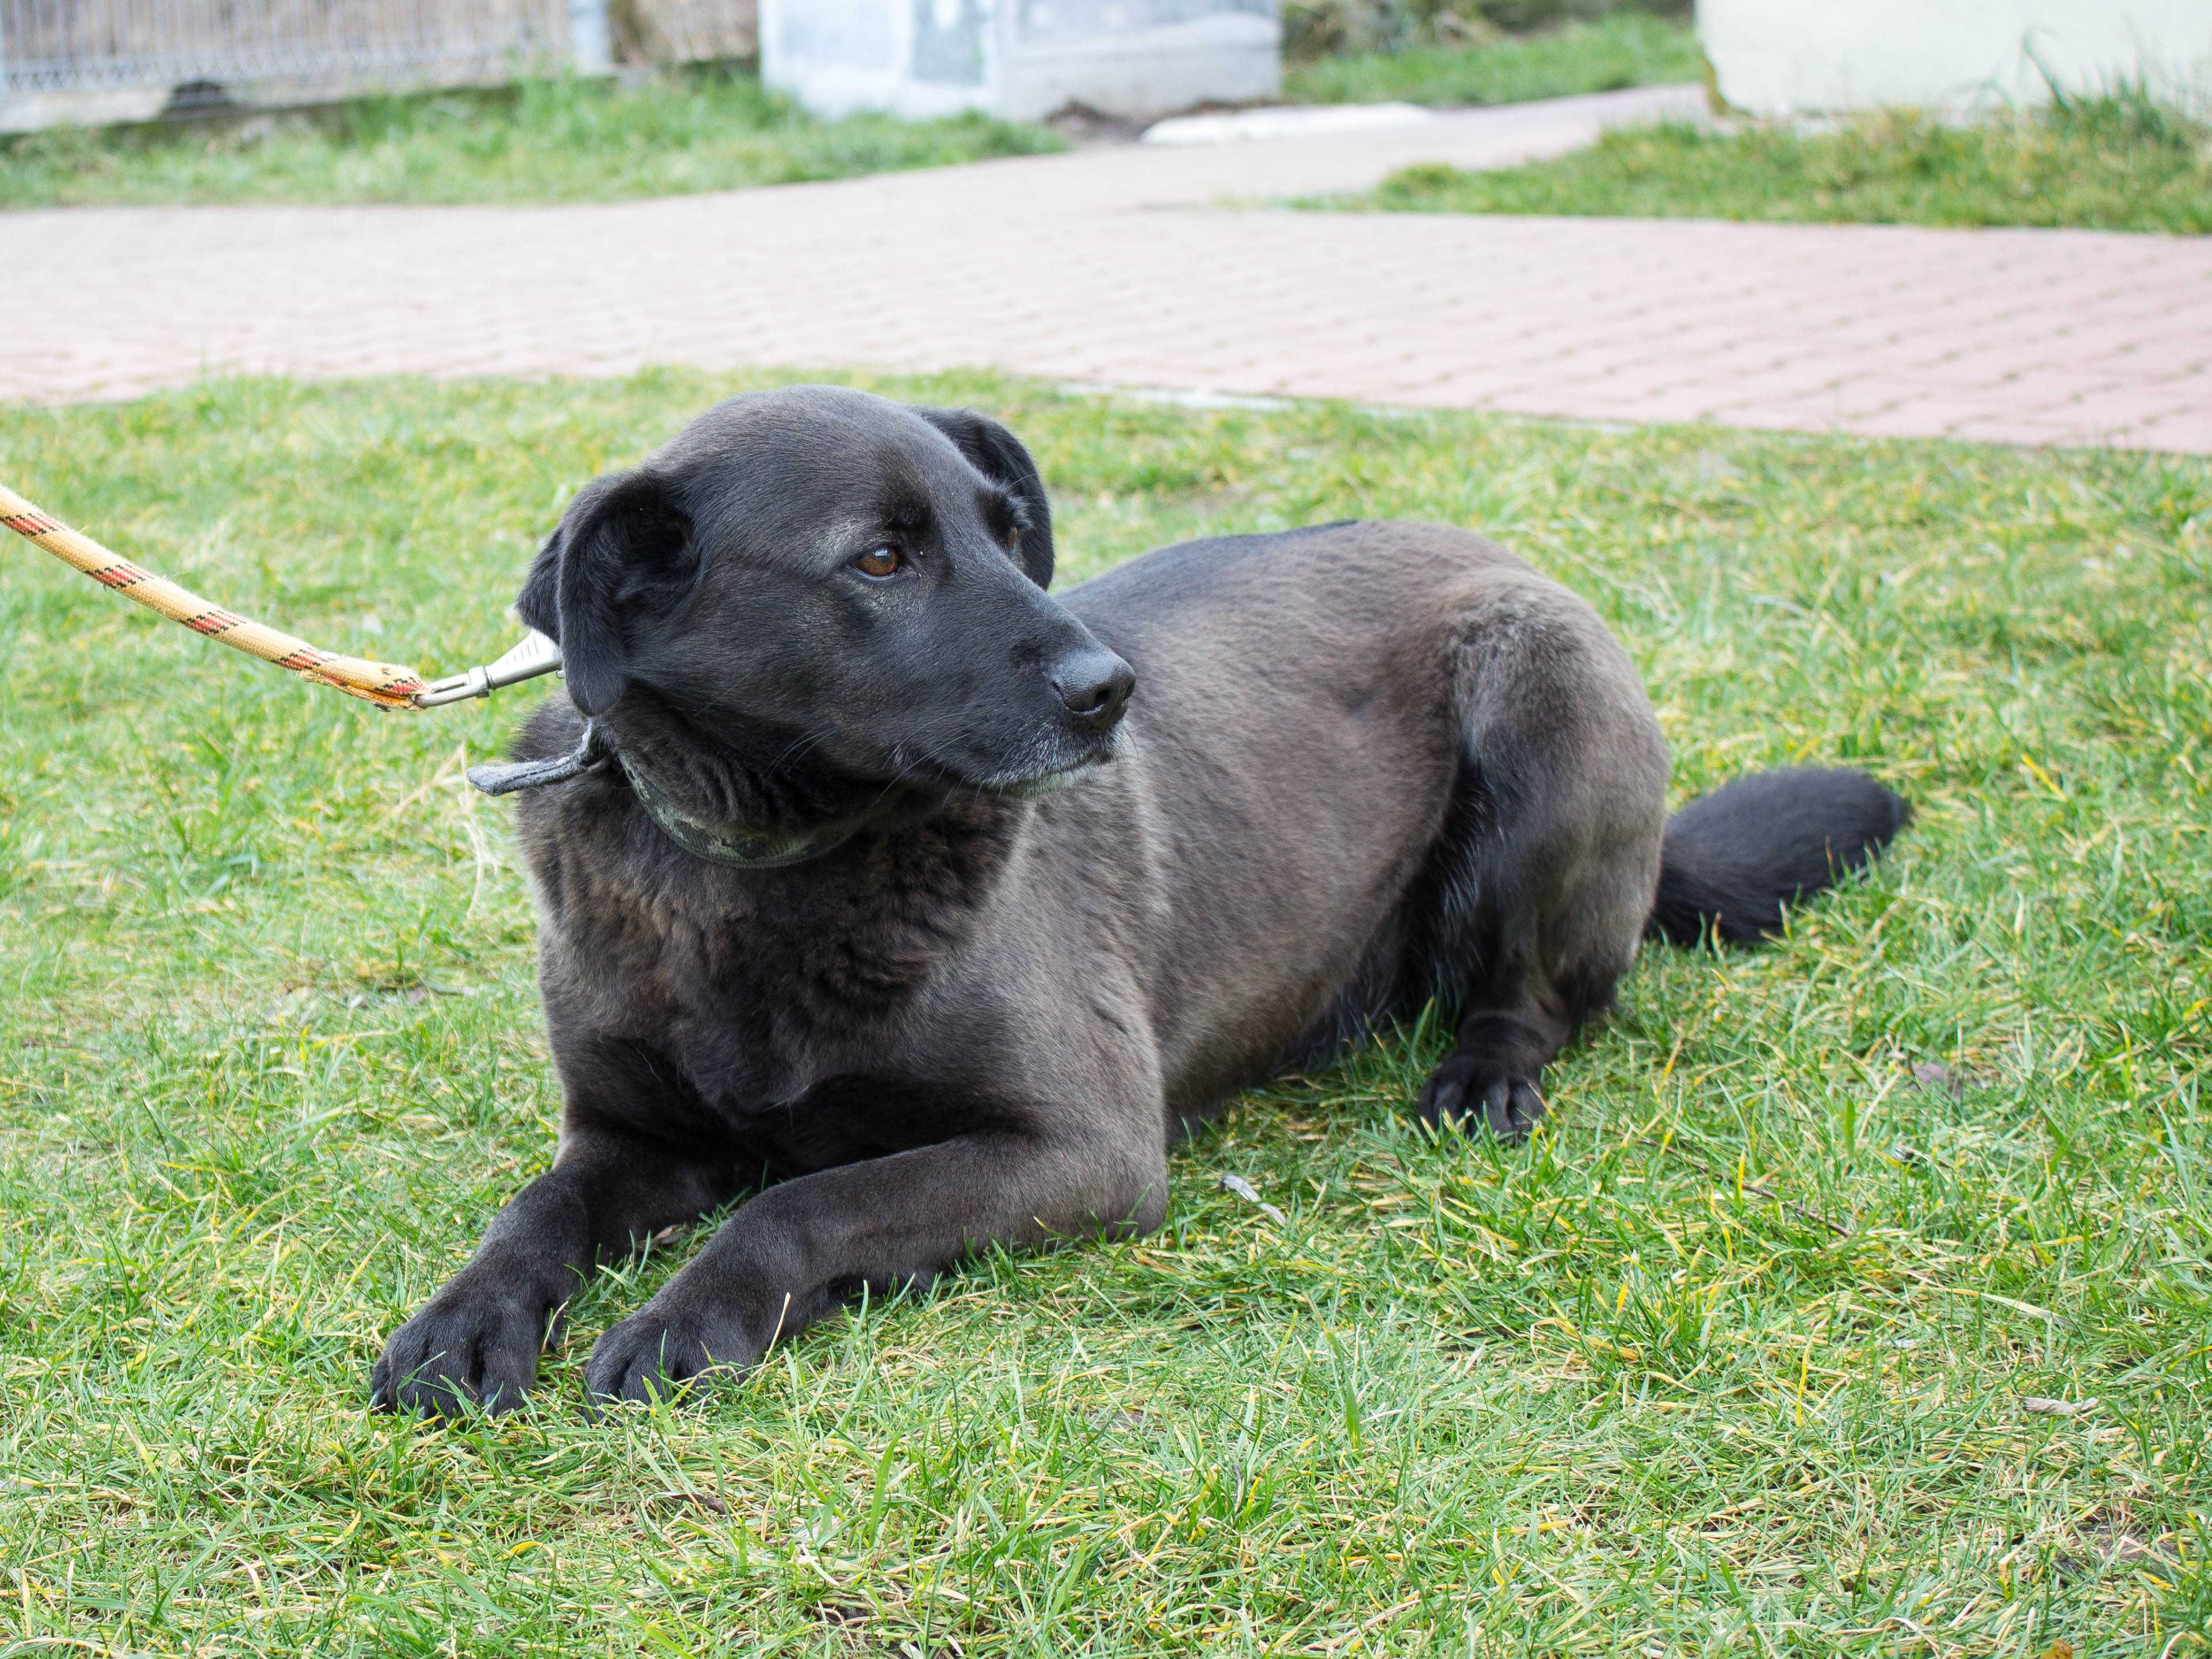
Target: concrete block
1776 58
1022 59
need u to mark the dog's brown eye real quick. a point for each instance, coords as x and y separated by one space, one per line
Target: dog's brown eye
882 561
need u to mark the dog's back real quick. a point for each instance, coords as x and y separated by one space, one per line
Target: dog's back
1298 761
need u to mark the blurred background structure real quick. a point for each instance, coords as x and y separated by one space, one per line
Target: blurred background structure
87 62
1782 57
1532 205
1024 59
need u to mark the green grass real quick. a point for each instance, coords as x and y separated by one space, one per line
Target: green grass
548 140
1628 49
2113 163
1731 1360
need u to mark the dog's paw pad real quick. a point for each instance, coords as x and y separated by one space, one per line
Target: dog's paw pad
1469 1092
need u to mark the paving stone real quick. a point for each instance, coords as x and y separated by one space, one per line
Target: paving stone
1135 266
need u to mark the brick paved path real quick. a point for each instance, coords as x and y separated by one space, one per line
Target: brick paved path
1122 265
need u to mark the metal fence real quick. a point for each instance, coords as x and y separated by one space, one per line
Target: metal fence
306 46
93 61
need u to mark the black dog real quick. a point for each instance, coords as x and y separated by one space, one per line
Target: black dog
864 869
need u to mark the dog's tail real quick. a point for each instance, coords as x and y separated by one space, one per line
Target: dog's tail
1732 860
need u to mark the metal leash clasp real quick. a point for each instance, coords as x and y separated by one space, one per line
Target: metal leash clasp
536 655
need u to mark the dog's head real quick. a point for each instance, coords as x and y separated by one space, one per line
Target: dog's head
821 576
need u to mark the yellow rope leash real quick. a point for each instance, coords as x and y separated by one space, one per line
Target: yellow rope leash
387 685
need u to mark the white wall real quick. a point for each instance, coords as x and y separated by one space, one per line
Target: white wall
1787 57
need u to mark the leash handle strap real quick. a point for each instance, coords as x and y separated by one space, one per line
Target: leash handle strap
385 684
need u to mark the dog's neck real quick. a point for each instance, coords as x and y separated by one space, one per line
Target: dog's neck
736 845
716 834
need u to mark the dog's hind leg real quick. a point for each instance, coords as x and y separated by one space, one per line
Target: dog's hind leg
1536 893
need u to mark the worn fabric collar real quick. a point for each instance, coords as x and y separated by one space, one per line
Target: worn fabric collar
505 777
738 846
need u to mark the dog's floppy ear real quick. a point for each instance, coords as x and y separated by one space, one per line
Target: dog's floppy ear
621 559
999 456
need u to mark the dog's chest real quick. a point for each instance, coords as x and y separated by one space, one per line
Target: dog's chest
766 1010
794 1056
747 1010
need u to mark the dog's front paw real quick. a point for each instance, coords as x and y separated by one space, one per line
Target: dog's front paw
657 1351
1469 1091
471 1348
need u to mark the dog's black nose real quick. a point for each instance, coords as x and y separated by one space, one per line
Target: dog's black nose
1094 687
